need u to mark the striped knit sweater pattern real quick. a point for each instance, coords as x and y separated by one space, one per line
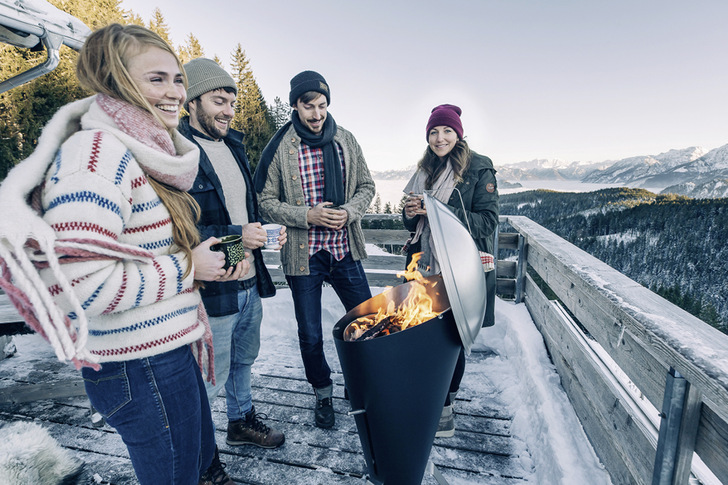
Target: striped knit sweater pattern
116 236
96 194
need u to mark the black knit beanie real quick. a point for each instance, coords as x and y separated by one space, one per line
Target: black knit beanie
308 81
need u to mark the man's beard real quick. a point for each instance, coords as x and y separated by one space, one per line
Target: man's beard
207 122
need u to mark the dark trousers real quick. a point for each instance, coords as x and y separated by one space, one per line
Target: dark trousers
351 286
457 376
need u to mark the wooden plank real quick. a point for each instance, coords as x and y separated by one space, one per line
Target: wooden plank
521 269
383 280
642 332
508 240
393 262
622 441
47 390
505 286
603 321
712 442
688 435
507 269
386 236
379 261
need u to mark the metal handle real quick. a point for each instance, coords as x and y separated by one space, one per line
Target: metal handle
354 412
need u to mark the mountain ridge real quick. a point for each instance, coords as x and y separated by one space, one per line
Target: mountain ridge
693 172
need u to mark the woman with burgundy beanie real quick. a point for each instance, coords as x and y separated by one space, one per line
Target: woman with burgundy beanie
465 181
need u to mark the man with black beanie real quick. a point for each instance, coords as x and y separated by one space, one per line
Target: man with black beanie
312 178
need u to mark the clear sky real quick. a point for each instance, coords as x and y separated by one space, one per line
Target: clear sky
576 80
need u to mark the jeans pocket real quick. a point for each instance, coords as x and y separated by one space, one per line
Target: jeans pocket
107 389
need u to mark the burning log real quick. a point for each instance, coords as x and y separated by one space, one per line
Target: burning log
414 309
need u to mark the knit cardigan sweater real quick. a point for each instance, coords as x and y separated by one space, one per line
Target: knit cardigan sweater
282 199
126 277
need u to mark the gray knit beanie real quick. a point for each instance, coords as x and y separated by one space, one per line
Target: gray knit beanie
204 75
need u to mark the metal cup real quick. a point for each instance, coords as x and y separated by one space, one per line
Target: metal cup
232 247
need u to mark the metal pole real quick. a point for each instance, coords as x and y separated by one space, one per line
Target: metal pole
520 269
668 439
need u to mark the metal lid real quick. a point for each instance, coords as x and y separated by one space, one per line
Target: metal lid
462 271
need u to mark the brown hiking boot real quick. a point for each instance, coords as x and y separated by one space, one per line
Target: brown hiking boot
252 431
216 474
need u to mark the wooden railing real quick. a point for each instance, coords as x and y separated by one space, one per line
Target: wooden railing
648 381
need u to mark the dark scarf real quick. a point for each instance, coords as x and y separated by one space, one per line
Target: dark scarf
333 178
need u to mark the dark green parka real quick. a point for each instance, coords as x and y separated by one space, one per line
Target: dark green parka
479 191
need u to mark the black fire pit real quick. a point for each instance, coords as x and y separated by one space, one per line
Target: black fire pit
397 384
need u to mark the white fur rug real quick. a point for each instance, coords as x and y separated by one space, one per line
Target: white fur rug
30 455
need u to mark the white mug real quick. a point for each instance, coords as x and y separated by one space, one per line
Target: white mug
273 231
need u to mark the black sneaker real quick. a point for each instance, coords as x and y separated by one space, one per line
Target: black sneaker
252 431
216 474
324 413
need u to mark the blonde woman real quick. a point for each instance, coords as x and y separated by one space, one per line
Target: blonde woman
119 253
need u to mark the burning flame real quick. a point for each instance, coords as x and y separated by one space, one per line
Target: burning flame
411 273
415 309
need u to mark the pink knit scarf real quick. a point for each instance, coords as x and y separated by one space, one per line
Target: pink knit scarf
147 130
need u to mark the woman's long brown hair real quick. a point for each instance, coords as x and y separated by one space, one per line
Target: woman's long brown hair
432 165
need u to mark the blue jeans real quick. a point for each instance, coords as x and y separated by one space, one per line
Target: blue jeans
350 284
236 341
159 408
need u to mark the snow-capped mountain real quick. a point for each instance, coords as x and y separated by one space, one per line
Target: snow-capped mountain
545 169
713 189
645 171
689 171
401 174
705 177
677 172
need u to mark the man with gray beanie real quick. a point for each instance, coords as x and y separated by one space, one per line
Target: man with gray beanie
224 190
313 178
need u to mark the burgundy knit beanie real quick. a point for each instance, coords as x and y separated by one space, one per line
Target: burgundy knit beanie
445 115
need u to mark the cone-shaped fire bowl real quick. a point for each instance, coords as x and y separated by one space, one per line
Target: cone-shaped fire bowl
397 385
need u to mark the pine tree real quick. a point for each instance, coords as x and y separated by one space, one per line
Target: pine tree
251 112
158 25
377 204
280 112
26 109
192 49
97 13
400 206
710 316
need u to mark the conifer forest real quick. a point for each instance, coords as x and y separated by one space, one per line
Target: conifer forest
673 245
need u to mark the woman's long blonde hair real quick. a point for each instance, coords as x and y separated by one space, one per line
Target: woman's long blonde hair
433 166
102 68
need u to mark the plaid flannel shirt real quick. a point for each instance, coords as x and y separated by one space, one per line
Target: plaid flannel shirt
311 165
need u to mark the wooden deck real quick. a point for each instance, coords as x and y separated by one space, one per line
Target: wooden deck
482 450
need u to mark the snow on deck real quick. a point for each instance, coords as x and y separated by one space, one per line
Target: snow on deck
514 423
